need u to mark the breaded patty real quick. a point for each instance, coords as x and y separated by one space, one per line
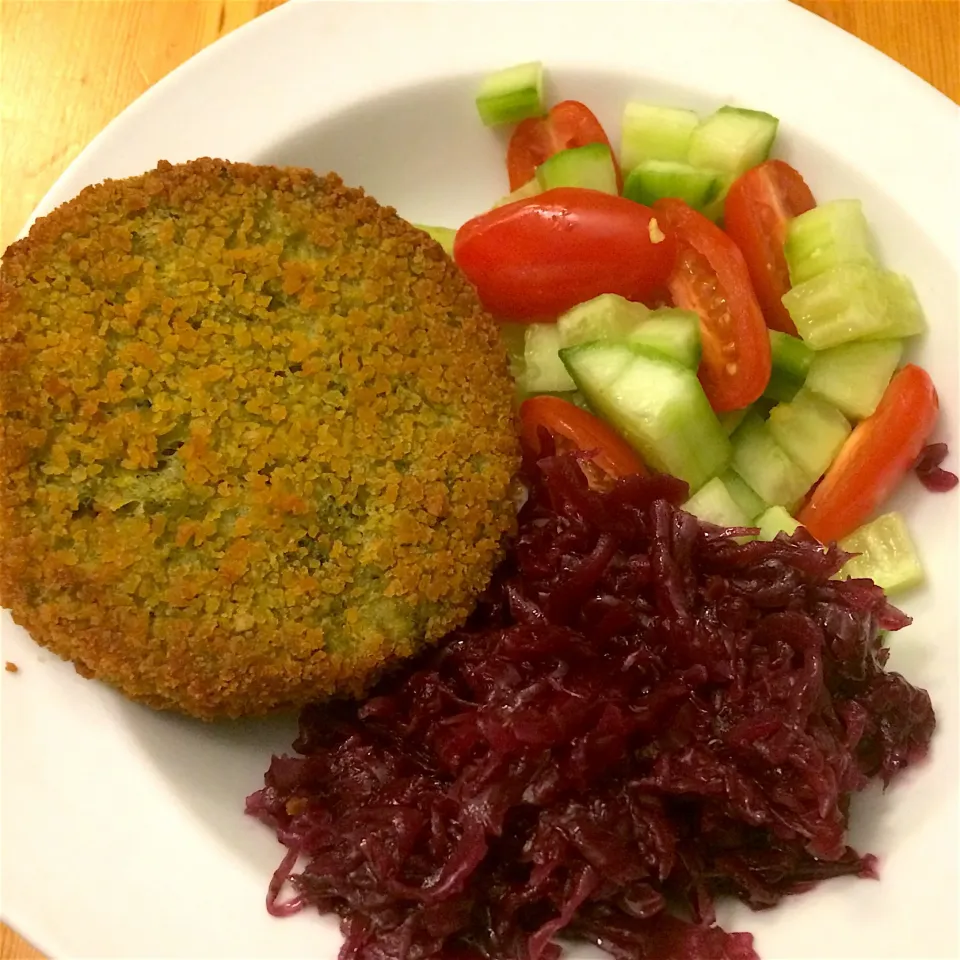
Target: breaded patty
257 439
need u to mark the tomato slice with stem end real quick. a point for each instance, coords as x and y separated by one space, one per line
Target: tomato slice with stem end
612 454
875 457
756 212
568 124
711 278
535 258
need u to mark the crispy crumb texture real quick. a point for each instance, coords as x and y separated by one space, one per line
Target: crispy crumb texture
256 440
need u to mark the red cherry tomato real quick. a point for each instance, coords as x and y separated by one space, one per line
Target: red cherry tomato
875 457
568 124
582 430
710 278
535 258
756 212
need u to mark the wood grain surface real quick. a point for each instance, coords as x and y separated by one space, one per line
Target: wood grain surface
67 67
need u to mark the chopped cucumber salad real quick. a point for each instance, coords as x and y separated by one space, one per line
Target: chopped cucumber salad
765 286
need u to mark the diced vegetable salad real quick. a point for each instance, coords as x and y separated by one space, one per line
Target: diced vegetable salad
687 307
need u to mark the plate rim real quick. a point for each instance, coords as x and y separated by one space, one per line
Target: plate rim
931 102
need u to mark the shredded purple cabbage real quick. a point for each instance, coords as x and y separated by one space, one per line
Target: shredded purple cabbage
928 468
642 715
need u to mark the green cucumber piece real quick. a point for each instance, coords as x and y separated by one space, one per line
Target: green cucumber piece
731 419
657 405
590 167
651 132
713 503
653 180
773 521
853 376
732 140
530 189
888 555
828 236
765 466
607 317
751 504
512 94
790 360
672 333
845 303
512 336
443 235
904 314
543 370
810 430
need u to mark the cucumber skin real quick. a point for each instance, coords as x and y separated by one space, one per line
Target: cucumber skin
651 181
511 95
693 453
591 167
653 132
543 370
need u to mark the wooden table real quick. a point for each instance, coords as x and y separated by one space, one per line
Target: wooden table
69 66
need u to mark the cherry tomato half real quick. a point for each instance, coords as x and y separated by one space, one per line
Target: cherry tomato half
875 457
756 212
568 124
584 431
711 279
535 258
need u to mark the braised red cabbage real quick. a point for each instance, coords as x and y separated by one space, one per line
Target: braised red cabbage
928 468
643 714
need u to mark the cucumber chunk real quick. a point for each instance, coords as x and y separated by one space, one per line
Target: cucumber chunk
543 370
810 430
512 94
651 132
591 167
888 556
530 189
653 180
790 360
672 333
658 406
731 419
443 235
904 314
732 140
828 236
512 336
713 503
607 317
853 376
765 466
773 521
751 504
845 303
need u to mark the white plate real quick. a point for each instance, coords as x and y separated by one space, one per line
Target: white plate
123 831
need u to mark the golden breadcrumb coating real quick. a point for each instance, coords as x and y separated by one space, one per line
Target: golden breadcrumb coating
256 439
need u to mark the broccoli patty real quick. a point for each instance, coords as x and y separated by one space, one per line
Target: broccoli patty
257 440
